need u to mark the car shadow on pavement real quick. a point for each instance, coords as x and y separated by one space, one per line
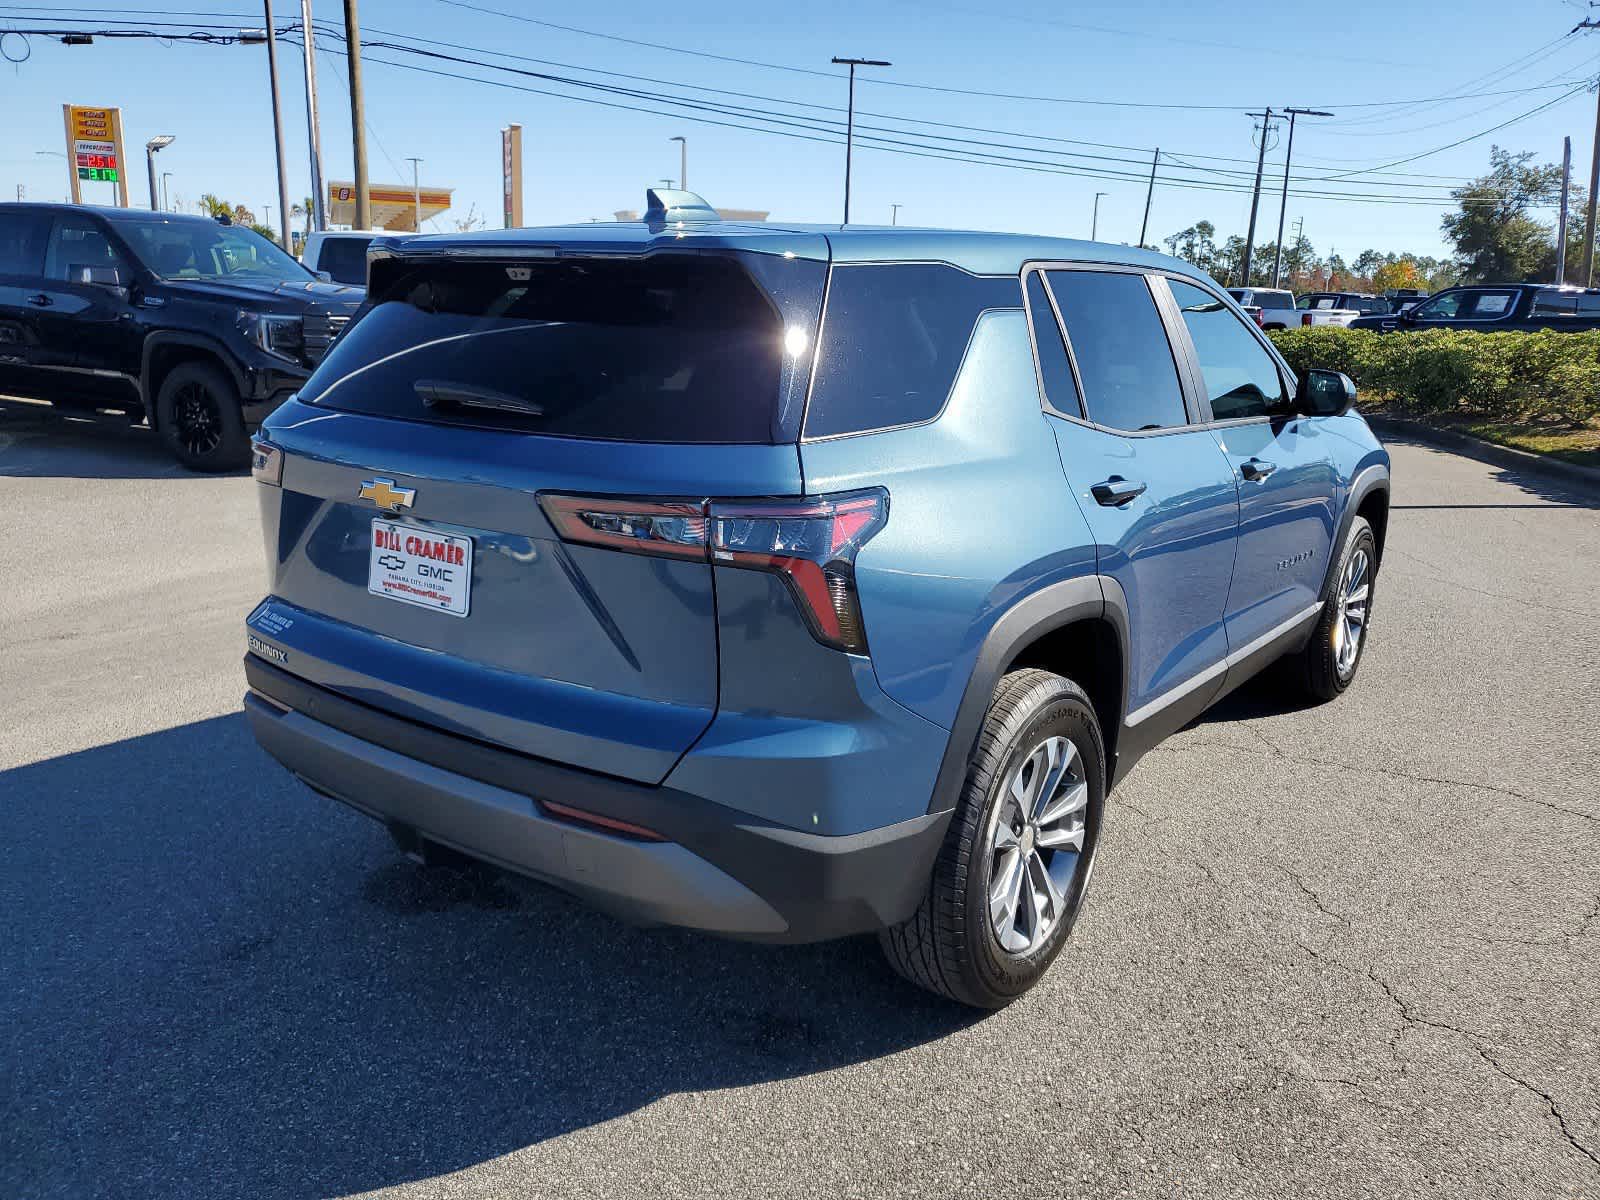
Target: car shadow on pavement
48 445
1556 491
213 982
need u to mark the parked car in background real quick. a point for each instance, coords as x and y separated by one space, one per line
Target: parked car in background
342 253
1495 307
1337 308
1276 305
1401 299
794 582
198 328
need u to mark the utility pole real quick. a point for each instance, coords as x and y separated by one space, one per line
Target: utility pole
308 35
683 162
1594 176
1299 230
358 113
277 127
850 119
1283 206
1561 225
416 193
1094 221
1255 196
1149 195
894 214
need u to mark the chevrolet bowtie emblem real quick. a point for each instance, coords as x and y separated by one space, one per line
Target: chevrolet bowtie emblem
384 494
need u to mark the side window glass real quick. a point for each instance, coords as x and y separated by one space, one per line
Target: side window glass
1555 304
1441 307
1060 391
22 236
76 245
1125 363
1242 379
1491 306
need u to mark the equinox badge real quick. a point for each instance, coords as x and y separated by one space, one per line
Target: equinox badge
386 495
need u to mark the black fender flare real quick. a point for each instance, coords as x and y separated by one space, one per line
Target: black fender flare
1374 477
1055 606
174 337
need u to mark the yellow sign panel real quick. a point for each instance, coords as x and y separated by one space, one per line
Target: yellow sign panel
94 148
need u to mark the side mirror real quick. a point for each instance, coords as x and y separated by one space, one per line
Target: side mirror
1324 394
325 276
105 277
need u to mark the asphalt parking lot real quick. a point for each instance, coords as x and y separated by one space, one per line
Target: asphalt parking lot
1345 951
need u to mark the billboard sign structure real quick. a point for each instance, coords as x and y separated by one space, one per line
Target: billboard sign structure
94 149
511 175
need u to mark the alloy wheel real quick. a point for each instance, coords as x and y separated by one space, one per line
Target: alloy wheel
197 419
1355 589
1036 845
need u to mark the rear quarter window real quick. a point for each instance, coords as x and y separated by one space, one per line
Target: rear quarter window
893 337
22 238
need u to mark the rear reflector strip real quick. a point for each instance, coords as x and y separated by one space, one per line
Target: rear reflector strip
609 824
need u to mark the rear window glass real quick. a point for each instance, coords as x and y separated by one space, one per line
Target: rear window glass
345 259
668 348
892 340
1275 299
22 236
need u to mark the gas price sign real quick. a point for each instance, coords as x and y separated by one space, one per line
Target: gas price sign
94 140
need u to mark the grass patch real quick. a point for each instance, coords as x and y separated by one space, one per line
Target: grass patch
1573 445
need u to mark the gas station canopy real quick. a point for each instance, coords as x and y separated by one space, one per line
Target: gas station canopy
391 205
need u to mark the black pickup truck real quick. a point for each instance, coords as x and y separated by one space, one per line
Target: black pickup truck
199 328
1496 307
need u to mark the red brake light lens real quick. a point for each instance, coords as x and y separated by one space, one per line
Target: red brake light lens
1305 319
811 543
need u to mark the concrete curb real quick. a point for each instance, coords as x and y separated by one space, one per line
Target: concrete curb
1587 478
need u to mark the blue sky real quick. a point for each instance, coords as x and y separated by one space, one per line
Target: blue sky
1211 61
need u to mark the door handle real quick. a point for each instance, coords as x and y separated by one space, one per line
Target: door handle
40 300
1116 491
1255 470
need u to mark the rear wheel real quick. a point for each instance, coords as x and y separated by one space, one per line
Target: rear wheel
1008 882
198 412
1328 663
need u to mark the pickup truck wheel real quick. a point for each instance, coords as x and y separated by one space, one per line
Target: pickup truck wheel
1008 882
198 412
1328 663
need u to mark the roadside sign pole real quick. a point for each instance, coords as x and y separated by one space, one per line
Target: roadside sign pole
72 161
122 159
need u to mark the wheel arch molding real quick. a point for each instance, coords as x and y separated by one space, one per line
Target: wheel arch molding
1076 627
1371 481
161 343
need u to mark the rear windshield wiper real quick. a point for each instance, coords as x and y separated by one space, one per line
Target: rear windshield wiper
434 392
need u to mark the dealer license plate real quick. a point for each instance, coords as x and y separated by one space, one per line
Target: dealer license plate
421 567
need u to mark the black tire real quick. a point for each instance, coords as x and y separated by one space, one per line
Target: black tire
198 412
1320 671
950 945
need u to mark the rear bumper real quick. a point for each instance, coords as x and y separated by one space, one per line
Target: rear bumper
717 869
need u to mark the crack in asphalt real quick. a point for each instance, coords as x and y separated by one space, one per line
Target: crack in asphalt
1409 1019
1393 773
1519 601
1315 899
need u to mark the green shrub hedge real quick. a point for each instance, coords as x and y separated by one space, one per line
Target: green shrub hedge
1542 376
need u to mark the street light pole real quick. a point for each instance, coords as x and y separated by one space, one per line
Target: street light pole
416 193
165 175
308 35
151 148
1094 221
683 162
277 127
1149 195
1283 206
850 119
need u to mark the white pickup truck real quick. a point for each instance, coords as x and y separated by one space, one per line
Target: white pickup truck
1270 308
1338 308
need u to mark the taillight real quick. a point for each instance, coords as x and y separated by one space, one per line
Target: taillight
1261 319
1305 319
810 543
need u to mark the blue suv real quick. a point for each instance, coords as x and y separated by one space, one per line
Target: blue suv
792 582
